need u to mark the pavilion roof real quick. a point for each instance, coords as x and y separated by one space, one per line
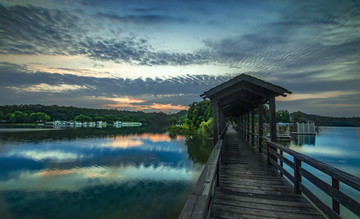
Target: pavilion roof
243 93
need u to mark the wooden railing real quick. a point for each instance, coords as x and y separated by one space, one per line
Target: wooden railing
275 156
337 177
199 202
258 141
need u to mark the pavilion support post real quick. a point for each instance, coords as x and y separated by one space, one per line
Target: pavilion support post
215 109
247 127
243 132
244 127
260 128
272 119
240 121
273 137
222 120
252 127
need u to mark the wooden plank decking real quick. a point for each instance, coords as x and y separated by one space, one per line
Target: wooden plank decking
250 188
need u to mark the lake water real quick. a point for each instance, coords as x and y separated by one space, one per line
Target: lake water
97 173
338 147
129 173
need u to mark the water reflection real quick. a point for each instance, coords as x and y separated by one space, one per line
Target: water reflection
99 173
199 149
337 146
305 140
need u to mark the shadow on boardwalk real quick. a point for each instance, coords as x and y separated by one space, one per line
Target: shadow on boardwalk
250 188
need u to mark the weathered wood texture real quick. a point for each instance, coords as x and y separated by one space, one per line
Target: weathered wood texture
242 94
199 202
333 189
250 188
215 109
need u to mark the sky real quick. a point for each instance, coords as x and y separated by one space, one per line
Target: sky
161 55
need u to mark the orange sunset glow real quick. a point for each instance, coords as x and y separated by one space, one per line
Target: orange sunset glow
126 142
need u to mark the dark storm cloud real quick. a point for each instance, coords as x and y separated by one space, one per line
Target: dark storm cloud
132 50
305 35
32 30
143 19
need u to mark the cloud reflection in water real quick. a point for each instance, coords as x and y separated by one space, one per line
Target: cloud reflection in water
107 174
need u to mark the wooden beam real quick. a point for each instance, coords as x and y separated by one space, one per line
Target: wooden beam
272 109
244 94
247 126
222 119
248 99
260 128
252 127
215 109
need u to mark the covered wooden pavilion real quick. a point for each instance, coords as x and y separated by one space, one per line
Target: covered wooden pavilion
237 182
239 97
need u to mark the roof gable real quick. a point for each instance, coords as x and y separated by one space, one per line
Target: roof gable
243 93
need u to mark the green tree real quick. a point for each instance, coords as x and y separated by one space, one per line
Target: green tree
82 118
20 116
206 128
199 112
11 117
110 118
2 115
297 117
282 116
39 117
173 120
99 118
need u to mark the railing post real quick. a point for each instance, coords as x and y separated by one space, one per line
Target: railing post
281 162
218 173
297 176
252 128
260 112
268 153
335 204
247 127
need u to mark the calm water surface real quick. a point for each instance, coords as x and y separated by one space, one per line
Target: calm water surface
338 147
97 173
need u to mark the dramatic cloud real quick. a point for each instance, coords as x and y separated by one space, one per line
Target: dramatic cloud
33 30
161 55
48 88
142 19
172 94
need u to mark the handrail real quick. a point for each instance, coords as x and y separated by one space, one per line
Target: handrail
346 178
276 151
332 190
199 203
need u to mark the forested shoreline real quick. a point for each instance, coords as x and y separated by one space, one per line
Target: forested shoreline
198 119
330 121
36 113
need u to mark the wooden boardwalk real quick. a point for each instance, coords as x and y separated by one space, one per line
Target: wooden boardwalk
250 188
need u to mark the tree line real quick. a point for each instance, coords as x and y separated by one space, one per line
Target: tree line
199 119
42 113
326 120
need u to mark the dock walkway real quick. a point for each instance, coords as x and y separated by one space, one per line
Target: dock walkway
250 188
